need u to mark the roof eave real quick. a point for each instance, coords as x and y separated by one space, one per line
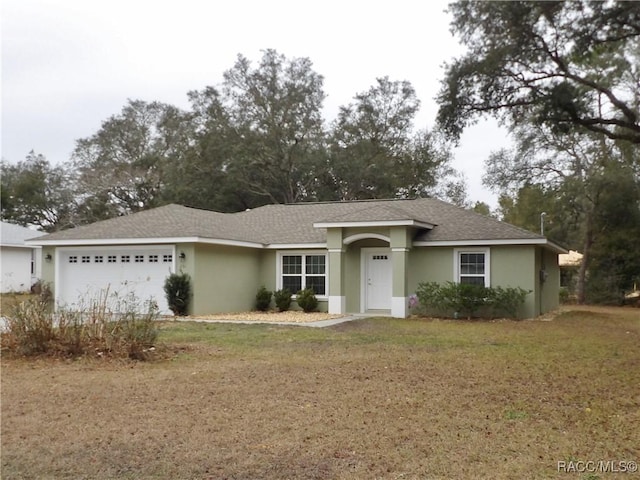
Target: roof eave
375 223
295 246
490 242
18 245
143 241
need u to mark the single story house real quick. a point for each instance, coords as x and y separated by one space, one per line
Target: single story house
19 263
360 256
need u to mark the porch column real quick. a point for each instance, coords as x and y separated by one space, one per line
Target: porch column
400 244
399 298
337 300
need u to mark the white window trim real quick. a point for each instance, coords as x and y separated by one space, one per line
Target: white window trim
283 253
487 263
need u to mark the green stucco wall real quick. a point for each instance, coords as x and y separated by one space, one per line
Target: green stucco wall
225 279
349 231
514 266
429 264
399 271
400 237
550 289
268 269
48 268
336 272
511 266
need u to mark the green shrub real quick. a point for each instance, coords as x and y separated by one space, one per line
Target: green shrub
604 289
467 299
282 298
429 295
563 295
177 289
507 300
307 300
263 299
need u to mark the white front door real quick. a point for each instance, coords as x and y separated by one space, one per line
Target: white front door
378 279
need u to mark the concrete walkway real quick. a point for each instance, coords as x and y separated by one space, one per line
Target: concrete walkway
317 324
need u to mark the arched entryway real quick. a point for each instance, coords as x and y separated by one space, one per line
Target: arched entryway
368 266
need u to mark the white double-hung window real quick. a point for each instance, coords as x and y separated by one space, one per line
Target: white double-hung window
472 266
298 271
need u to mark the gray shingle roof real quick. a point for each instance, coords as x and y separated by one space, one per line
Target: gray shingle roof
293 223
374 213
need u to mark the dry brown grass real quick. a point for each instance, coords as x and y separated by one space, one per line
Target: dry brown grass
8 301
378 398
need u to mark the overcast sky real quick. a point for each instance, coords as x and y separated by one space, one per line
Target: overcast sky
68 65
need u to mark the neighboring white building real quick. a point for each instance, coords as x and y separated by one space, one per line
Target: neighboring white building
571 259
20 264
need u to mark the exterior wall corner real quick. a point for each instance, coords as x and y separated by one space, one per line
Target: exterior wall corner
337 304
399 307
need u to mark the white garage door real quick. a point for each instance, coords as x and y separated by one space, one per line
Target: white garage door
122 272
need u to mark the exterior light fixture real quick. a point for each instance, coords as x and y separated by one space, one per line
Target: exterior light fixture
182 256
48 257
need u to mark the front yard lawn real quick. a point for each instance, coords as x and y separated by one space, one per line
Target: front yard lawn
376 398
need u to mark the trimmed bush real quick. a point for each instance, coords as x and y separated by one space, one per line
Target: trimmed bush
177 289
282 298
430 299
263 299
466 298
307 300
507 300
452 298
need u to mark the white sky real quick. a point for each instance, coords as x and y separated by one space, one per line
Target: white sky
68 65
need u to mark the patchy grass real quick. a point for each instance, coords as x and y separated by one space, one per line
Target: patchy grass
378 398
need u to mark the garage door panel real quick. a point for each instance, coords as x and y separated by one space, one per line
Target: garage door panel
87 275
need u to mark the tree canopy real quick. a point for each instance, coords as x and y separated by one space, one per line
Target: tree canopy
568 65
563 76
275 118
588 186
375 151
36 193
122 165
257 137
